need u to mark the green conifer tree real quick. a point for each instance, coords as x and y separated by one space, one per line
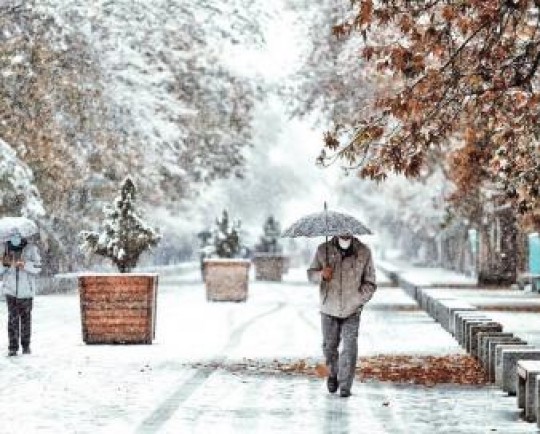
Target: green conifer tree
124 235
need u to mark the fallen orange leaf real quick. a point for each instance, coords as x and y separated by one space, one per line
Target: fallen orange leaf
322 371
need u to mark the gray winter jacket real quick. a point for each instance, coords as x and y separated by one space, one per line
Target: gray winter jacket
22 284
353 282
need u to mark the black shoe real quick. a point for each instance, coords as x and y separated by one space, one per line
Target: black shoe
332 384
344 393
26 350
12 353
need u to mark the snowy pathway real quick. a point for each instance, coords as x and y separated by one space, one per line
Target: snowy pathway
68 387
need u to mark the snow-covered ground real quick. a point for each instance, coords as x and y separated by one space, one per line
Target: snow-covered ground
428 276
66 386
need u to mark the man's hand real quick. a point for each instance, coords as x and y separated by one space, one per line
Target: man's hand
19 264
327 273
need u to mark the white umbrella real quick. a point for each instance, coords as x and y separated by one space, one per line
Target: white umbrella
325 224
11 225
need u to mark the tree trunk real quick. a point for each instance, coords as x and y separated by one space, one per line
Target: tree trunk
498 250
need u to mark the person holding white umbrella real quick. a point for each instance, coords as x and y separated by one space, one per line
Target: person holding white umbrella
344 267
348 282
21 262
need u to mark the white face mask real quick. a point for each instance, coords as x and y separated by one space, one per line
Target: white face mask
15 240
344 243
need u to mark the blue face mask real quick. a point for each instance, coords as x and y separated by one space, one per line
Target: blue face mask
15 240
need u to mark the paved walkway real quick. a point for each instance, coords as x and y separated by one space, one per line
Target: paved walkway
66 386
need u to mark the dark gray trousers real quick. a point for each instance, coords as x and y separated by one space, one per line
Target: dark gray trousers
345 330
19 321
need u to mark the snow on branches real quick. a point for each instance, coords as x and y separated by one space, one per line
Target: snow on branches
90 91
269 241
18 193
49 102
464 82
225 238
184 116
124 235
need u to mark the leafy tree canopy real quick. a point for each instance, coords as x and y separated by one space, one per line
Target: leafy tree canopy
457 86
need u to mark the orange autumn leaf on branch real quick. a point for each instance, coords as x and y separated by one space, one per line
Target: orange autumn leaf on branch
366 13
451 74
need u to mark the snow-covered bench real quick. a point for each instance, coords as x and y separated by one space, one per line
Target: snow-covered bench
527 373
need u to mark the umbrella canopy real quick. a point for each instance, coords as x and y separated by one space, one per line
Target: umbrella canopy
10 225
325 223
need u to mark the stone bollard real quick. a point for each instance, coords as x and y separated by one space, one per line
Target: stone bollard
457 317
436 306
444 307
418 295
506 366
492 354
449 310
409 288
424 299
472 344
432 307
466 327
483 340
439 310
460 317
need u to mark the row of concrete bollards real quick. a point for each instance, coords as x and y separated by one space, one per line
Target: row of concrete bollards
508 360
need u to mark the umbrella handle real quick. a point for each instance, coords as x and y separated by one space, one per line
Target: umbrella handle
326 248
326 224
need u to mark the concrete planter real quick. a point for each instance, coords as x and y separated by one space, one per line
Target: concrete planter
226 279
270 267
118 308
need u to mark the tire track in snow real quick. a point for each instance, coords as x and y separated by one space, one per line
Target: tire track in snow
302 315
301 311
166 409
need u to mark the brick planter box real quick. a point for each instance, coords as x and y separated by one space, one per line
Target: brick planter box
118 308
226 279
270 267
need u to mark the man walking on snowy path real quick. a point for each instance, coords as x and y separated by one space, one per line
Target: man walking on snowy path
21 262
344 267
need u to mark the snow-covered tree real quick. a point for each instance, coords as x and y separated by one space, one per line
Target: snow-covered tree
226 237
462 82
52 116
90 91
124 235
328 82
269 242
182 114
404 214
18 193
